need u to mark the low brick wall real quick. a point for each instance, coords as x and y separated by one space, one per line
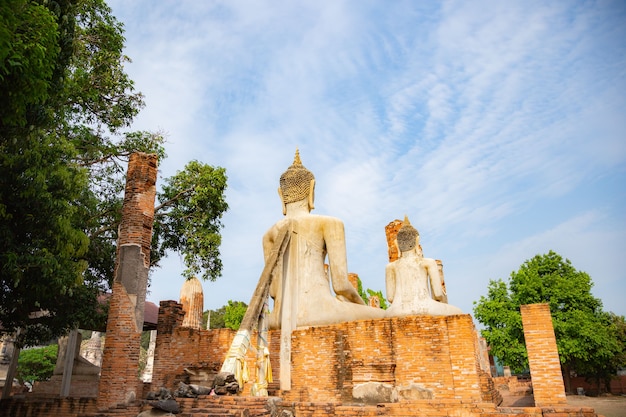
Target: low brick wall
514 385
432 357
435 355
618 385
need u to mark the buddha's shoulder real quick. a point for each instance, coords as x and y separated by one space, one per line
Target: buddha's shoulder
324 219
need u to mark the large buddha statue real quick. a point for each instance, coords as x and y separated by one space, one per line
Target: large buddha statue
300 285
414 284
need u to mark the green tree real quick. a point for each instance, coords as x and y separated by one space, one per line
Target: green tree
233 315
585 337
62 73
37 364
188 218
65 101
28 53
602 372
381 299
366 294
216 317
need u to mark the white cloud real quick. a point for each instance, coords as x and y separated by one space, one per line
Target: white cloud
486 123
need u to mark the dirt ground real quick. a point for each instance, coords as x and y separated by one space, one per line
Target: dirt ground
608 406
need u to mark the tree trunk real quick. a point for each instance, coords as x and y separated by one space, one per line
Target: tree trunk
567 381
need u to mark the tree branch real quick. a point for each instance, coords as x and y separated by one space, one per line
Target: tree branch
172 200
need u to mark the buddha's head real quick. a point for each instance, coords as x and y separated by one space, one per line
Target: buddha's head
407 236
296 184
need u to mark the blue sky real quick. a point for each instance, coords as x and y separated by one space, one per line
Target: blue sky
499 128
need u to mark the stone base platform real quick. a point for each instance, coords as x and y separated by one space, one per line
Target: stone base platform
390 360
212 406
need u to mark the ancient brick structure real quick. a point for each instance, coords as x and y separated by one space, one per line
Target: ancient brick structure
354 280
422 357
391 231
543 356
192 299
119 381
427 357
433 362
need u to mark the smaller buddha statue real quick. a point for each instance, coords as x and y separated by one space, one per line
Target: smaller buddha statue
413 283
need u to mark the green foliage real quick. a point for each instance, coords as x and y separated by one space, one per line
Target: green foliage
233 315
47 190
216 317
381 298
359 289
28 52
37 364
41 247
65 98
606 367
586 338
503 326
366 294
189 218
143 351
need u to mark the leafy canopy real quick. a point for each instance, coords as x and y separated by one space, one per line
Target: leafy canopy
233 316
366 294
37 364
65 102
188 218
585 337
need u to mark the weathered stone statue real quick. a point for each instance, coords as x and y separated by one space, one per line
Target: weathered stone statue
297 278
414 284
300 286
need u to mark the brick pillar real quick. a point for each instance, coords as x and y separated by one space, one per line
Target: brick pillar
543 356
119 379
391 231
171 315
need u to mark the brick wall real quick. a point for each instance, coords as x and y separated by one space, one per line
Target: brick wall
199 350
618 385
438 355
543 357
119 381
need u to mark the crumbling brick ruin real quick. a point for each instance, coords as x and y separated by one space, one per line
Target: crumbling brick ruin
119 380
433 362
543 356
404 366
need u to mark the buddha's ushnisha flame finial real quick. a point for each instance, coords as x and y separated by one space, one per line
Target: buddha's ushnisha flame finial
406 221
296 158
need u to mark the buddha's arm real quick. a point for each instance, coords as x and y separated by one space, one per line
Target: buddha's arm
334 237
390 282
435 279
268 244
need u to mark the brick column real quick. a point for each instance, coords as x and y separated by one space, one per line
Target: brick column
119 379
166 359
543 356
391 231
